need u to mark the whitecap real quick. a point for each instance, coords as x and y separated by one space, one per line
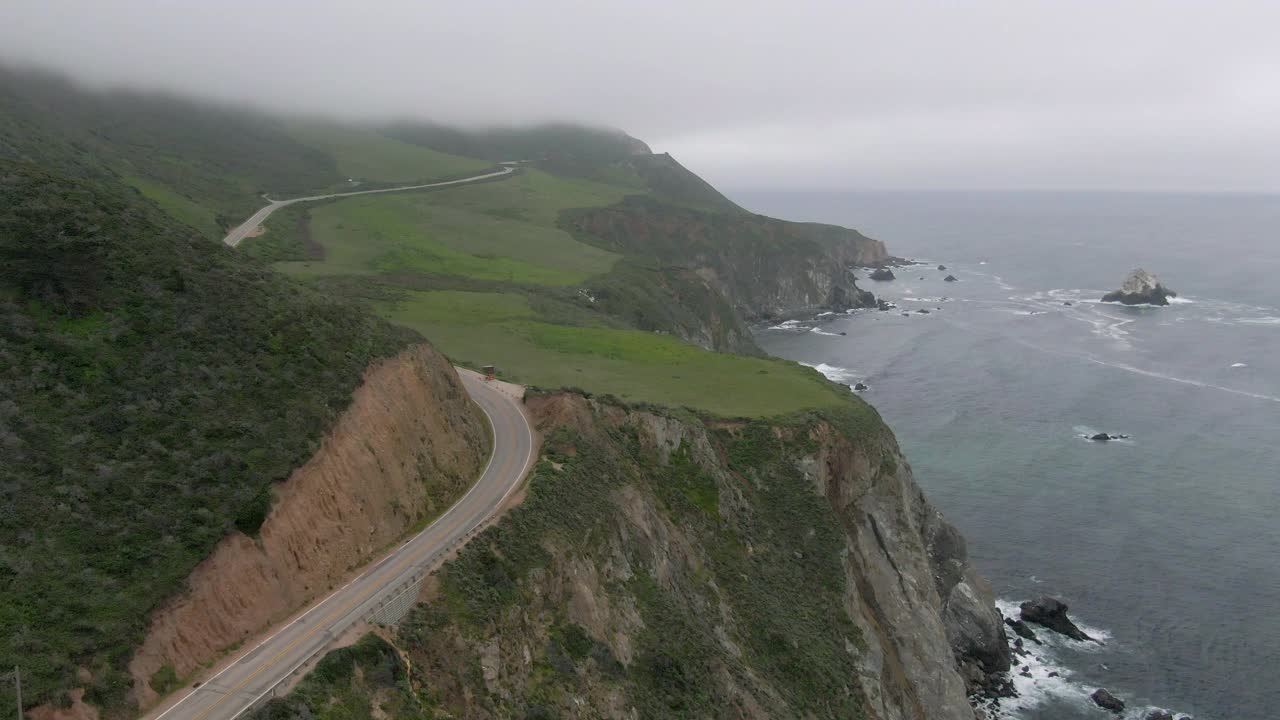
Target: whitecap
1238 365
1178 300
1266 320
833 373
1047 676
787 325
820 331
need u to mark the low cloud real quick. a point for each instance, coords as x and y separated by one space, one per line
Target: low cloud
1167 95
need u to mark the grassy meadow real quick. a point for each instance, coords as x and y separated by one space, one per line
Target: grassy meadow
485 273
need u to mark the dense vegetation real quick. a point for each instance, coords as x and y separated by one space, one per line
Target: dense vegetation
366 681
769 557
205 163
751 255
153 385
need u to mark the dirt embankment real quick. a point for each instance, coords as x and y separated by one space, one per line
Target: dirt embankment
410 444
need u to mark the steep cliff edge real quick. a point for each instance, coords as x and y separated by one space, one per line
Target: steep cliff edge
763 266
409 444
668 566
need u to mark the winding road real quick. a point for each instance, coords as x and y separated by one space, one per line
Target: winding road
255 675
241 231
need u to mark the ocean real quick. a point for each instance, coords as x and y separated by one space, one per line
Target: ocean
1165 545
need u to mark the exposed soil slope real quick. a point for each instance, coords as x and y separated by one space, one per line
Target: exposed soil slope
410 443
664 566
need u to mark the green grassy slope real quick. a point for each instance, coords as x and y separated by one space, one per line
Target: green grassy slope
364 154
153 385
486 273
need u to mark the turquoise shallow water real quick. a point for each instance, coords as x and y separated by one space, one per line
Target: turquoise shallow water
1168 544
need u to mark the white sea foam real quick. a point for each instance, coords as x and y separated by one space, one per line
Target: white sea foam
1179 300
1182 381
820 331
1048 678
787 325
1265 320
1238 365
834 373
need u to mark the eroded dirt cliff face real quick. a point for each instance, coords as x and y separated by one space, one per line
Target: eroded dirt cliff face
664 565
406 448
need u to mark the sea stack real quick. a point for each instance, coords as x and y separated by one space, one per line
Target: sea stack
882 274
1141 288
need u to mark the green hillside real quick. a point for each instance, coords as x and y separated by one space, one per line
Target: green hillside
489 276
153 385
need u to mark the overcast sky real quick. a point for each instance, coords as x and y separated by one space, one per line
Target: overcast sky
1122 94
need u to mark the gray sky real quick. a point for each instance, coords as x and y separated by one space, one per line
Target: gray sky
1124 94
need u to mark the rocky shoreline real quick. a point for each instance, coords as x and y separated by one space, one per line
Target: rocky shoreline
1030 628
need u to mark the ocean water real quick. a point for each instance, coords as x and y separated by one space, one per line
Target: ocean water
1165 545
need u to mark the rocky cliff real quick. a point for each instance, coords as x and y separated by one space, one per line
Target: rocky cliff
668 566
408 445
763 266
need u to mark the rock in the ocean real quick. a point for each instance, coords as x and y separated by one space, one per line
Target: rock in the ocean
1105 437
951 278
859 386
1141 288
1051 613
1158 715
922 311
1021 629
1107 701
882 274
1067 303
942 268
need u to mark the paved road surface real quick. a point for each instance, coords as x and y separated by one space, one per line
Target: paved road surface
234 237
254 674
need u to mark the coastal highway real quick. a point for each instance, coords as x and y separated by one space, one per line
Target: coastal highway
242 231
254 674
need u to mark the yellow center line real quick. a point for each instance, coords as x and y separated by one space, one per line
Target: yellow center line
319 626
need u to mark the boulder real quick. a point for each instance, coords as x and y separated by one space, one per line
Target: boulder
1141 288
1021 629
951 278
1068 303
859 386
922 311
881 304
1158 714
1107 701
942 268
882 274
1051 613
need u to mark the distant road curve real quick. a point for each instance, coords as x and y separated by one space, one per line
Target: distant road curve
242 231
254 675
